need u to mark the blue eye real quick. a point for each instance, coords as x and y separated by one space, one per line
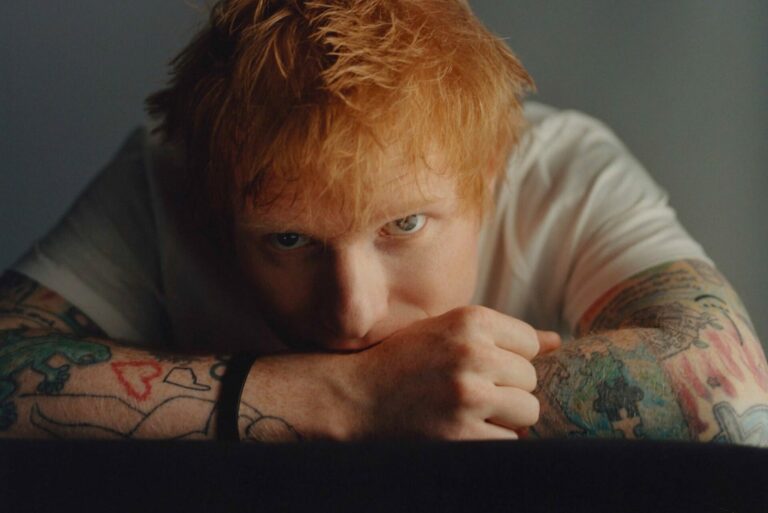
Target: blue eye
288 241
406 225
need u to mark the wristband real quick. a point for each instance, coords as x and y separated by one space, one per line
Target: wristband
232 383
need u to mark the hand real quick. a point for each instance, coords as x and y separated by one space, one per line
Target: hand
465 374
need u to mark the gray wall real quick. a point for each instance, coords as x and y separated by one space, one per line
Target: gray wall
684 83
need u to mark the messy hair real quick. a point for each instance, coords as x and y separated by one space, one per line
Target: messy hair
326 91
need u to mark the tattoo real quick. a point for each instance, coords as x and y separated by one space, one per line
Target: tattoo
651 288
751 427
35 306
41 334
664 354
553 377
681 326
137 376
219 368
710 301
606 386
136 423
25 305
185 377
264 428
707 272
680 288
18 353
615 397
255 424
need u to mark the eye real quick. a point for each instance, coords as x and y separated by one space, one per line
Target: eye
406 225
287 241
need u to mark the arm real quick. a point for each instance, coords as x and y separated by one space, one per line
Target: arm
61 377
668 354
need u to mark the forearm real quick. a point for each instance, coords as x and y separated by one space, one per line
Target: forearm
60 376
295 397
609 385
54 384
689 367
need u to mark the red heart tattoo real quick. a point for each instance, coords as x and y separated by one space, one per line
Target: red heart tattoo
136 377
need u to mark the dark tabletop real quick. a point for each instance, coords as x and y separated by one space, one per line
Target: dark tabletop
553 475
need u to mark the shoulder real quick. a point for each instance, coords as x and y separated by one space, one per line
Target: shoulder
558 140
142 152
551 123
125 172
565 157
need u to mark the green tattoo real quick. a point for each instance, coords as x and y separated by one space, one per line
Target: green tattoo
597 388
18 352
669 354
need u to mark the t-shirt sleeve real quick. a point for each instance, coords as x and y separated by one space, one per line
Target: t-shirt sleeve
590 216
102 255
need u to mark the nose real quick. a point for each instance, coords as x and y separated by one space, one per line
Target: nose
357 298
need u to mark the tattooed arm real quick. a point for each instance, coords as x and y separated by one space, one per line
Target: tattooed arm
668 354
61 377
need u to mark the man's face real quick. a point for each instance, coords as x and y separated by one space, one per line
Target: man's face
324 286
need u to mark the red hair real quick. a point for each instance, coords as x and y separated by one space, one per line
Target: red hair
326 91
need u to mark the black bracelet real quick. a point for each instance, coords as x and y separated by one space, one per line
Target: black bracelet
232 383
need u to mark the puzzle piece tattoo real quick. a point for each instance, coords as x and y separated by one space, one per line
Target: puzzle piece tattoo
619 402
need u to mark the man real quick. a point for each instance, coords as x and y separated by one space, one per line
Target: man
352 192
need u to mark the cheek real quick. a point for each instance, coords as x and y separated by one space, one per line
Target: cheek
280 291
283 294
443 276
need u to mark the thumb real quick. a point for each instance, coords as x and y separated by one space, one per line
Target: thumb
548 341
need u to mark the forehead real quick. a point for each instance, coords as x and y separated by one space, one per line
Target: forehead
327 212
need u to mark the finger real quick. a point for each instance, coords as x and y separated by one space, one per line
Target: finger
513 408
485 430
512 370
511 334
548 341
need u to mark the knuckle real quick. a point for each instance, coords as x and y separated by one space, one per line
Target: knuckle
468 317
472 359
463 351
464 393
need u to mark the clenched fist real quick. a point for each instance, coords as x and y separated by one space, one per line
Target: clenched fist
466 374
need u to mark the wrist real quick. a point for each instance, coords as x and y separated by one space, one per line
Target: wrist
295 397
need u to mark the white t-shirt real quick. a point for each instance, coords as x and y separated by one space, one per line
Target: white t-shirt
576 215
